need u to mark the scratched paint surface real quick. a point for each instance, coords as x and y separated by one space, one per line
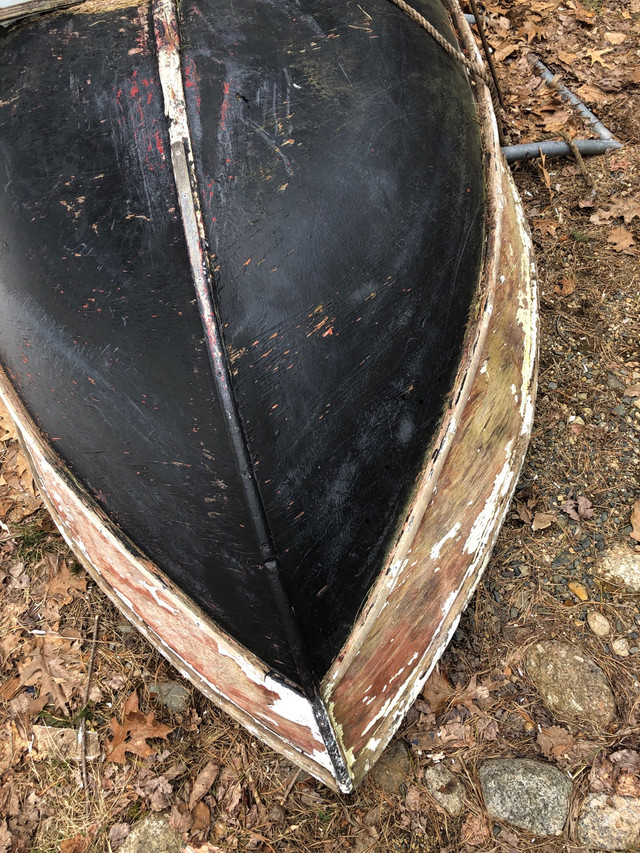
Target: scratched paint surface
237 681
98 326
342 279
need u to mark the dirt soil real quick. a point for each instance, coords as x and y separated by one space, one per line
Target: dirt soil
223 790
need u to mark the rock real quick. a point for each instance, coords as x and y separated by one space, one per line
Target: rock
579 590
609 822
598 623
171 694
445 788
620 647
526 793
570 682
392 768
620 565
153 834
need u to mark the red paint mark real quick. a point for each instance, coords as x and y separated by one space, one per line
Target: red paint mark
92 381
159 144
247 262
225 105
328 332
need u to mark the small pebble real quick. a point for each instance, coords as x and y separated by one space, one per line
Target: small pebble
598 623
620 647
579 591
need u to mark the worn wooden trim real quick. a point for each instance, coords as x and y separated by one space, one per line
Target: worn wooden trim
463 494
221 668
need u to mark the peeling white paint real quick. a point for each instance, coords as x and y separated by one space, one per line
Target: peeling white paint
486 518
159 601
435 551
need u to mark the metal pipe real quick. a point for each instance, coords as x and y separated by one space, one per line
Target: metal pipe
555 148
572 99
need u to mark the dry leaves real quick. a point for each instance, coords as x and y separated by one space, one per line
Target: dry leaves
437 691
132 734
622 240
203 782
577 508
559 745
54 664
617 773
620 208
542 520
635 521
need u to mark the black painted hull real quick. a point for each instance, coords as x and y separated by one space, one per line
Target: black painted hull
260 437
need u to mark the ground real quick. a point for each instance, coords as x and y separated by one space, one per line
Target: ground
574 503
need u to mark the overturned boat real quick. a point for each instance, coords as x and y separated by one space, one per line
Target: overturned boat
268 330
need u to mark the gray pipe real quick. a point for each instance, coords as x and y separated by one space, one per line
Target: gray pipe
568 96
554 148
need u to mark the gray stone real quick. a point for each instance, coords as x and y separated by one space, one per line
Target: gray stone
570 682
445 788
620 565
152 834
392 768
526 793
609 822
171 694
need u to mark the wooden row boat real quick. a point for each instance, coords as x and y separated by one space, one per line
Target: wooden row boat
268 330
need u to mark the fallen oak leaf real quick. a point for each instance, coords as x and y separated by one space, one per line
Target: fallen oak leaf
542 520
437 691
624 208
203 782
596 56
555 741
54 663
132 735
64 582
568 286
622 241
577 508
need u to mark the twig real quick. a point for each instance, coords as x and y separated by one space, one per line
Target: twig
82 733
487 51
250 780
292 781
